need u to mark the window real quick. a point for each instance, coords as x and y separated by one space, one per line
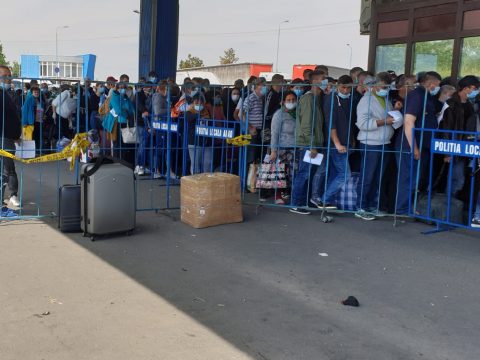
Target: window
74 70
470 57
433 56
68 70
80 70
391 57
393 29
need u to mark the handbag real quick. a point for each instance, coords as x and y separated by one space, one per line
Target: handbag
272 176
129 135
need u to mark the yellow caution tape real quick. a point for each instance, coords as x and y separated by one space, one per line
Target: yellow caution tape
73 150
241 140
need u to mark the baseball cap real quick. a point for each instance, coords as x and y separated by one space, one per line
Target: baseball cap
111 79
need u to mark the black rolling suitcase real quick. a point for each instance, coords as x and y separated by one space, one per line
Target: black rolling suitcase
69 207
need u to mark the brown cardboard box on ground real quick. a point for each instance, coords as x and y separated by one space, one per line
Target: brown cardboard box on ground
210 199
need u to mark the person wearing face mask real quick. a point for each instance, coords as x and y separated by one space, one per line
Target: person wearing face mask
244 92
273 100
10 132
309 137
375 134
340 113
63 107
152 77
32 116
184 102
121 112
419 114
143 104
456 118
253 115
298 87
214 103
282 143
230 101
199 148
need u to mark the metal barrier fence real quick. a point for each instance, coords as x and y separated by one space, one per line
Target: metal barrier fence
357 131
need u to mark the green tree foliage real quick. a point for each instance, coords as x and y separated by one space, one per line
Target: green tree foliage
191 62
470 60
229 57
16 69
3 59
434 55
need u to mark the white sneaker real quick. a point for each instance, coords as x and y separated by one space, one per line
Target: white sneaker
141 170
14 201
136 170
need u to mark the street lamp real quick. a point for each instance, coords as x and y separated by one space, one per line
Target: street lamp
278 41
351 54
57 69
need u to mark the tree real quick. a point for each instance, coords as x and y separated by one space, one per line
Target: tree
3 59
16 69
191 62
229 57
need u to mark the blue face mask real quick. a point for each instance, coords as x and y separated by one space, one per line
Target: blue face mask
193 93
343 96
123 91
198 108
473 94
298 92
435 91
264 90
152 79
101 90
324 85
217 101
382 93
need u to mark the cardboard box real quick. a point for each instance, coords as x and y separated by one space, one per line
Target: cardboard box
210 199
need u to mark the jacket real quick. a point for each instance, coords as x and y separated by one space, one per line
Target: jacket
454 117
122 111
283 130
369 110
10 127
64 104
28 110
310 121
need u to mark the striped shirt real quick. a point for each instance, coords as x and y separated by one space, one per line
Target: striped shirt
254 107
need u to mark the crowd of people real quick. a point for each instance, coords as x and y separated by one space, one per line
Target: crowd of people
359 123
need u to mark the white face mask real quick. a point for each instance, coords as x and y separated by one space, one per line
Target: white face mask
290 106
235 98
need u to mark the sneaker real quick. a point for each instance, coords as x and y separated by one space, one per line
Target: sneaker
14 201
379 213
158 176
279 200
362 214
300 211
475 223
285 196
141 171
319 204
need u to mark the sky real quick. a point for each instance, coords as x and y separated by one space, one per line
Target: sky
318 31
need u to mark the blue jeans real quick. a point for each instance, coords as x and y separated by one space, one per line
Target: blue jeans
458 174
200 159
405 189
301 180
339 173
141 139
371 173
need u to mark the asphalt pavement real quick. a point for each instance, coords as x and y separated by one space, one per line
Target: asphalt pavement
267 288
